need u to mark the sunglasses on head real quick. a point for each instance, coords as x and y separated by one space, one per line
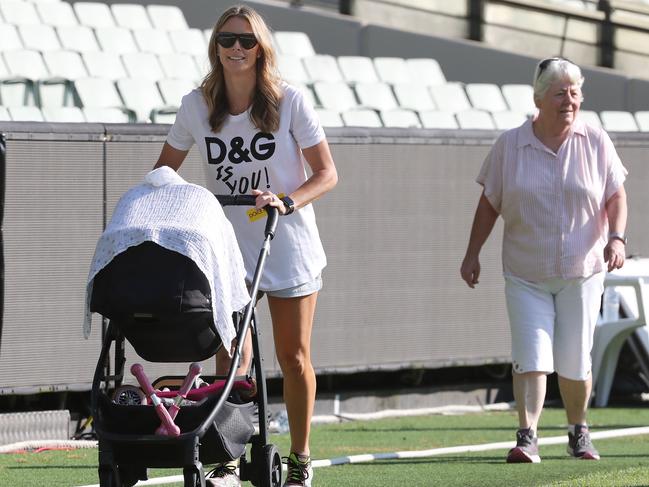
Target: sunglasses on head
227 39
543 65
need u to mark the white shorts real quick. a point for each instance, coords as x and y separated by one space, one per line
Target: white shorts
552 324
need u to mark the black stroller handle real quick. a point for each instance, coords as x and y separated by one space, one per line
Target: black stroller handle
250 200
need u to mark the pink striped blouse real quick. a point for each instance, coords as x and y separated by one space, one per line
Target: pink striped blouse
553 205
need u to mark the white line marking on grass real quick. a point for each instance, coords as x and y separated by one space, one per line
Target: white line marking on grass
370 457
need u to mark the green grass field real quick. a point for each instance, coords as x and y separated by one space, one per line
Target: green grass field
624 460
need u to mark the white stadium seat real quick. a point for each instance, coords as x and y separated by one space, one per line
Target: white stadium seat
357 69
94 14
57 14
336 95
378 96
435 119
450 97
361 117
486 96
475 119
618 121
426 71
329 118
167 17
80 38
400 118
393 70
143 65
413 96
519 97
322 67
131 16
294 43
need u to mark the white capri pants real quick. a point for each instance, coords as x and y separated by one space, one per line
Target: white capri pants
553 323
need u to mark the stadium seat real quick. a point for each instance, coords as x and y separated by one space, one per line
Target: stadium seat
142 96
18 12
400 118
143 65
426 71
434 119
131 16
102 64
4 114
63 114
294 43
25 114
486 96
153 40
392 70
25 69
336 95
94 14
167 17
105 115
508 120
357 69
164 116
361 117
97 93
57 14
9 38
450 97
178 65
79 38
67 65
618 121
413 96
116 39
173 90
39 37
322 67
591 117
377 96
291 69
309 96
189 41
519 97
329 118
642 119
475 120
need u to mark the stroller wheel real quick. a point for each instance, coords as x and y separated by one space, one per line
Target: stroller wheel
271 473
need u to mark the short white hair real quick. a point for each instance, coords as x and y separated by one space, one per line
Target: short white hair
554 69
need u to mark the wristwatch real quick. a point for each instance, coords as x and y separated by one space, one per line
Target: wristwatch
619 236
289 204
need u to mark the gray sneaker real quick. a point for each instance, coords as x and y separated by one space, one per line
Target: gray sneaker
580 445
526 449
223 475
299 471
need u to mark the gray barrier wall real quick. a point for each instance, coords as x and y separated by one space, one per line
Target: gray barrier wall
394 229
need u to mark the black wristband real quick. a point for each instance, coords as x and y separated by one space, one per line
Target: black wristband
289 204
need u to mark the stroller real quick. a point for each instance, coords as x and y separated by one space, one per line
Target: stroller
159 301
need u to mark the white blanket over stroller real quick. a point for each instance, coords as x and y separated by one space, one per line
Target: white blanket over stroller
187 219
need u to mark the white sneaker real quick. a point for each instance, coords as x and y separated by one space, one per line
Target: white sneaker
223 475
299 472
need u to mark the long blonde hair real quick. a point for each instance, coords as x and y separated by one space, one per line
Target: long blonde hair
265 104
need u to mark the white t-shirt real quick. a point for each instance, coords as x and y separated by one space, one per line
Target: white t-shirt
241 158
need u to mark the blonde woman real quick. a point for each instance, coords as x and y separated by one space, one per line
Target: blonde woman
255 134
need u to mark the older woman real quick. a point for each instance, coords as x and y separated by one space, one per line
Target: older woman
558 185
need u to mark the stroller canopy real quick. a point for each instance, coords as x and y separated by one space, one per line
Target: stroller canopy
184 218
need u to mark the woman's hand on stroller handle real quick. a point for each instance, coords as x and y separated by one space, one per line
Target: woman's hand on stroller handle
251 200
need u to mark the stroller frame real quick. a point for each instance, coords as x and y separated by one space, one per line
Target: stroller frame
264 468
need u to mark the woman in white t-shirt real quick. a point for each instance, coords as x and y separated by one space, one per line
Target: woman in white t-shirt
255 134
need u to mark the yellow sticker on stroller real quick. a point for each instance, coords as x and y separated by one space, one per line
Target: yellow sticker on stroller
255 214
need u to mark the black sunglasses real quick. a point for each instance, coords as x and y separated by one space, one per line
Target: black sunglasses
227 39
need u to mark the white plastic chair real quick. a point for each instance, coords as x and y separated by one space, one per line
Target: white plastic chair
450 97
413 96
377 96
25 69
336 95
179 65
392 70
57 14
358 69
65 64
361 117
486 96
105 115
167 116
167 17
475 120
25 114
80 38
322 67
400 118
4 114
329 118
642 119
39 37
189 41
435 119
291 69
294 43
9 38
508 120
173 90
143 65
426 71
142 96
116 39
102 64
590 117
153 40
63 114
94 14
17 12
98 93
618 121
130 15
519 97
